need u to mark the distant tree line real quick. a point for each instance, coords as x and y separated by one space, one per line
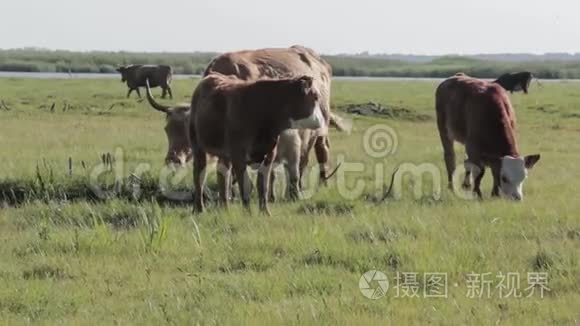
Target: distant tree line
35 60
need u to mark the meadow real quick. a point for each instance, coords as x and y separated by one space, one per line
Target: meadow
70 257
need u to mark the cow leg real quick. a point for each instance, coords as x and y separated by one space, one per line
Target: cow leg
129 92
199 165
164 92
224 181
495 170
294 168
272 197
302 166
240 171
467 180
477 182
449 157
447 144
138 92
264 173
293 189
170 92
321 148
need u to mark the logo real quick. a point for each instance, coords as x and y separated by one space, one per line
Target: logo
373 284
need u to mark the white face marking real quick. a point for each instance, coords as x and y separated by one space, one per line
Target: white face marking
314 121
513 172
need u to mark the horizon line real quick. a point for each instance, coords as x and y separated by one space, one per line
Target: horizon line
363 53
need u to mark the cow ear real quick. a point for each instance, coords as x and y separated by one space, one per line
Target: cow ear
531 160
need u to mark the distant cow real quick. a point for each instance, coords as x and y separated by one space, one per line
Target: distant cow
240 122
515 82
137 75
283 63
479 115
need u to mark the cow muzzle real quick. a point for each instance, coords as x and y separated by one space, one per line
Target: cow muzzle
314 121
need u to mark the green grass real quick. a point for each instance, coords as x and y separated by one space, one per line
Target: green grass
142 261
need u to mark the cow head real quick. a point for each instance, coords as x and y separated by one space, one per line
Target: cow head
123 71
176 130
306 112
513 172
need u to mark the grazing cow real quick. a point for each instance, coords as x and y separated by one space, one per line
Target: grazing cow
479 115
240 123
137 75
284 63
515 82
177 119
293 146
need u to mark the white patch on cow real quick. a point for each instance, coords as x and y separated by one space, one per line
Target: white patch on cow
314 121
472 168
512 175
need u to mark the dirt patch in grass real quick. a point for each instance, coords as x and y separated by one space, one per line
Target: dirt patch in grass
380 235
326 208
241 265
389 112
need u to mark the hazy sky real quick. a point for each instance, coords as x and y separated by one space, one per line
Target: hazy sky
329 26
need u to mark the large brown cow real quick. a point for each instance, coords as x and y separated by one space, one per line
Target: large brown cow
293 146
137 75
240 123
284 63
479 115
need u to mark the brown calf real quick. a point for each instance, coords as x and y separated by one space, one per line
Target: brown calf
479 115
240 123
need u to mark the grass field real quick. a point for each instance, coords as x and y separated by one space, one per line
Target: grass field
66 258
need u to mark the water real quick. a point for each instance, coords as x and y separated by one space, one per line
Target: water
62 75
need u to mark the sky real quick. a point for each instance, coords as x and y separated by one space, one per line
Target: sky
330 27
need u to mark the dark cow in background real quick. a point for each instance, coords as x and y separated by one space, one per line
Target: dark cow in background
515 82
137 75
479 115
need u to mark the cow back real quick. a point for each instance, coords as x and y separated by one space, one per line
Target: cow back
277 63
158 75
479 114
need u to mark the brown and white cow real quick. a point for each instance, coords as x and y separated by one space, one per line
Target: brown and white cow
240 122
479 115
284 63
